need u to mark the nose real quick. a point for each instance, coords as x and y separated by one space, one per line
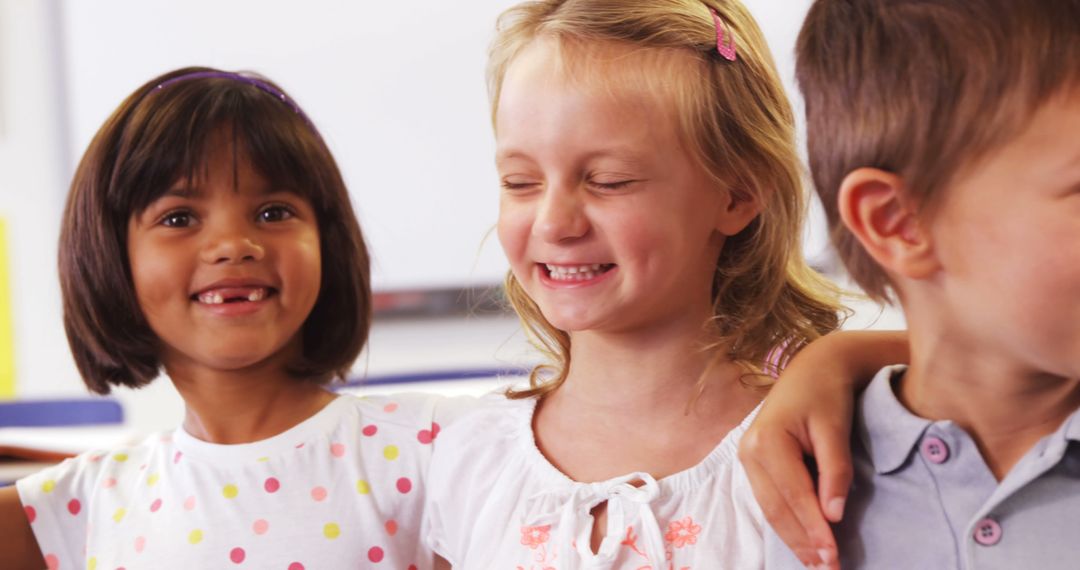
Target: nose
231 245
561 215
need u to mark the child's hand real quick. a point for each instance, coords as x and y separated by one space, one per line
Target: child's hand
772 453
809 411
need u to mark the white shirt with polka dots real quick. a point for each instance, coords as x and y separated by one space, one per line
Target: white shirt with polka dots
343 489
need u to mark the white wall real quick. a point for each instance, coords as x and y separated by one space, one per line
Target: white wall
34 172
396 88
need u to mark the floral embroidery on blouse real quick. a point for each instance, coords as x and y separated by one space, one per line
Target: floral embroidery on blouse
536 538
683 532
679 533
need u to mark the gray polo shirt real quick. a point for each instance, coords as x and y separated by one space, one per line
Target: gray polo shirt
924 498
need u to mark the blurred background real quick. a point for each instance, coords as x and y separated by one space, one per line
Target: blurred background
397 90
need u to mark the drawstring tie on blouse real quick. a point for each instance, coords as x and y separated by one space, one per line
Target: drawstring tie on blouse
575 522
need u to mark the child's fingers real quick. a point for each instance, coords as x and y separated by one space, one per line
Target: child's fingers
785 493
783 522
832 452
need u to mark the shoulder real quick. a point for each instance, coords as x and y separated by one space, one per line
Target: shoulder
491 420
92 466
58 500
481 440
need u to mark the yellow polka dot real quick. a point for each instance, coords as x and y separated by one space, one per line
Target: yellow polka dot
119 514
263 459
48 486
362 487
195 536
91 564
390 452
230 491
120 457
331 530
152 480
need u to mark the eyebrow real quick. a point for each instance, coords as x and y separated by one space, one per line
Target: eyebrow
191 192
621 154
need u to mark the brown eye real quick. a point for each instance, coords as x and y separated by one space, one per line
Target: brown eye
275 213
177 219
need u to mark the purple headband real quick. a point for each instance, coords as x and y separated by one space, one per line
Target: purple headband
262 85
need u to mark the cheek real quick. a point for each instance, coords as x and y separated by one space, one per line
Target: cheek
152 278
305 265
513 230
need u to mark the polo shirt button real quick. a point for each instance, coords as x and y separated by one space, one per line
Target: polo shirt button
935 450
988 532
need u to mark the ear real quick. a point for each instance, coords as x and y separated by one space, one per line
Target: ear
737 213
874 206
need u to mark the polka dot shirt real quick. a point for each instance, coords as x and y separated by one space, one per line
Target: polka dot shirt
343 489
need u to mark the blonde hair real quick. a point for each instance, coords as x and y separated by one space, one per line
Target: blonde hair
736 120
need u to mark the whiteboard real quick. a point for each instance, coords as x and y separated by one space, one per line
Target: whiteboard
396 88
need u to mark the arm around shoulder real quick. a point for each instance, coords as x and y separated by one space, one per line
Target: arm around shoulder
809 412
18 547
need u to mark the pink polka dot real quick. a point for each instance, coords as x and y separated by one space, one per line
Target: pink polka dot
95 458
260 527
74 506
176 458
155 506
391 527
296 566
318 493
189 503
370 430
412 566
404 485
31 514
375 554
427 436
52 562
237 555
108 483
391 407
272 485
337 450
299 445
140 544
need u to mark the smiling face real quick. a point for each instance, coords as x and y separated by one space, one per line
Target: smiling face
608 223
227 268
1007 235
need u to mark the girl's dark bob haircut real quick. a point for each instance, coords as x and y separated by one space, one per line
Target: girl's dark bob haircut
157 137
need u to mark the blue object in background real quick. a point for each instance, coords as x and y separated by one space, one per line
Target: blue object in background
69 412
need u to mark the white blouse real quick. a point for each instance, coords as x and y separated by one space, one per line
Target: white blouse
496 502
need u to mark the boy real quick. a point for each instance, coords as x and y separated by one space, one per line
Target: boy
944 140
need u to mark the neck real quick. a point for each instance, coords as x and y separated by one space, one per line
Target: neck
652 375
243 406
1004 405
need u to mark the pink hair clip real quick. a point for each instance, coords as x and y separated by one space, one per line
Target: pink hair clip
726 50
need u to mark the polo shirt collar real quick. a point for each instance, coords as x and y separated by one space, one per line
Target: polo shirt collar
888 431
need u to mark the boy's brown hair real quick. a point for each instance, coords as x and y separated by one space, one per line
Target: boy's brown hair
923 89
158 136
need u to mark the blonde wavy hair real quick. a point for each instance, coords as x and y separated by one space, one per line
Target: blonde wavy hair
736 120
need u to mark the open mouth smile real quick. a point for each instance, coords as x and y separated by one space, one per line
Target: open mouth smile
575 273
233 295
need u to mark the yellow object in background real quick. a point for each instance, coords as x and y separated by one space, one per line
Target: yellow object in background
7 336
